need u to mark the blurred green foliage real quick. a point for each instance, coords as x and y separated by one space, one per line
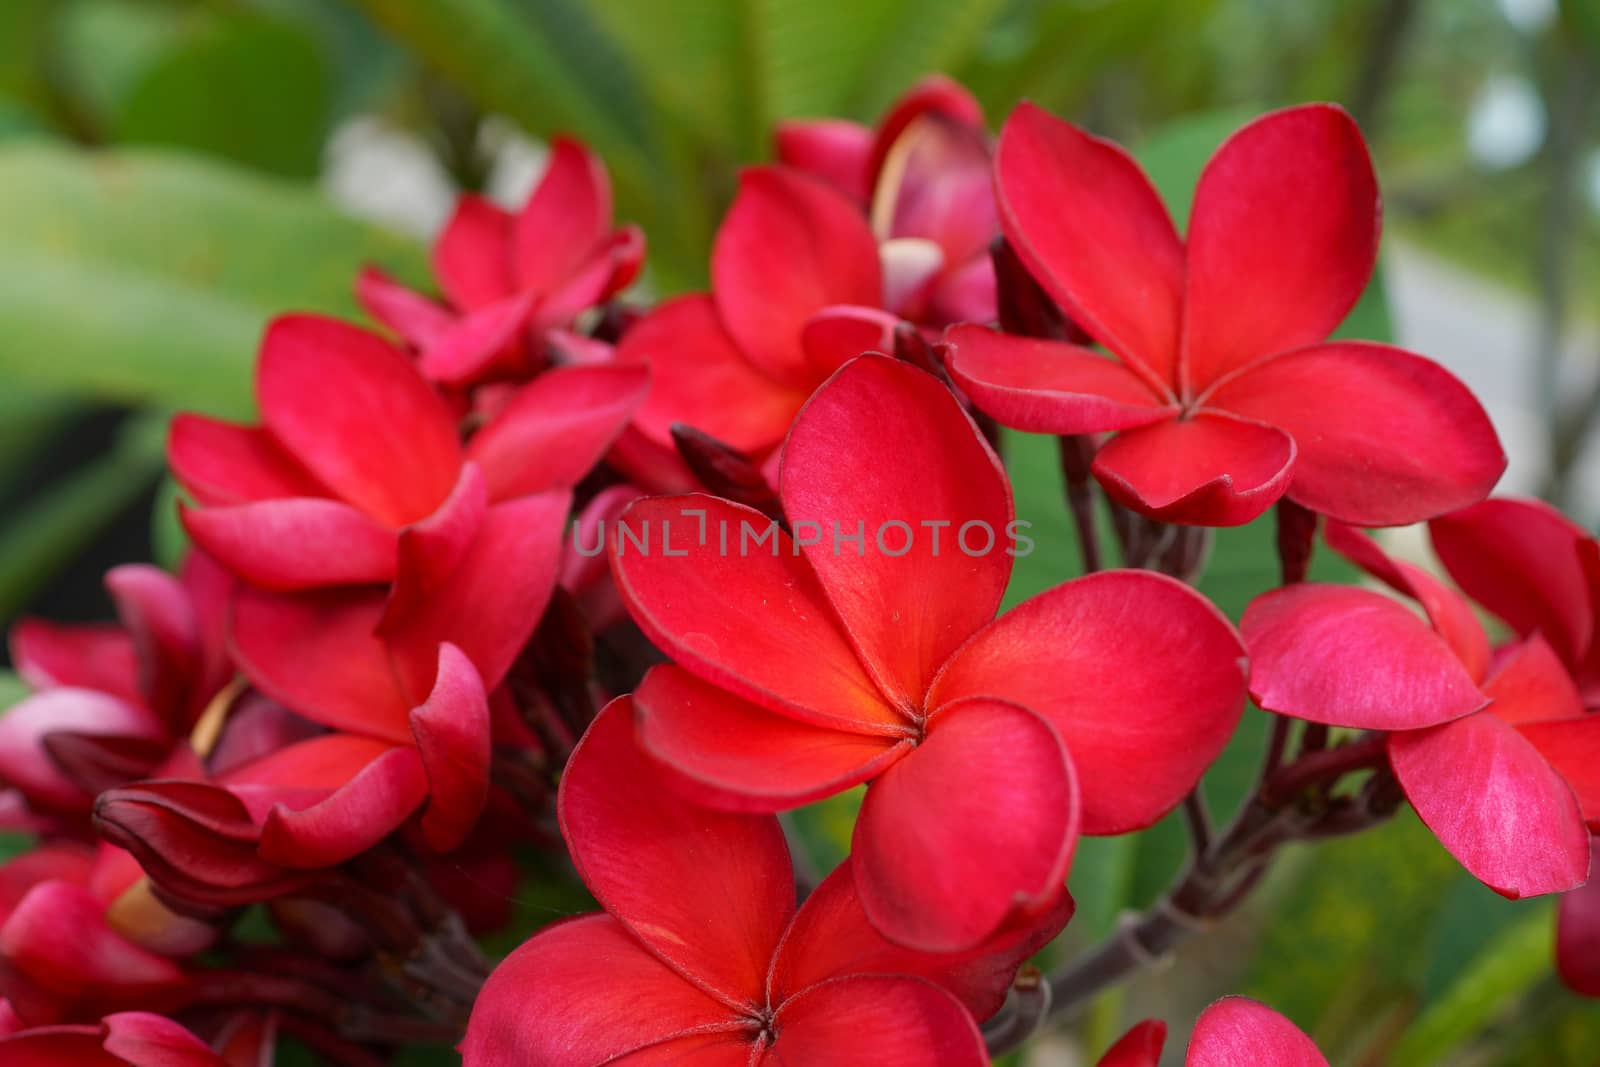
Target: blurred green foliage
159 162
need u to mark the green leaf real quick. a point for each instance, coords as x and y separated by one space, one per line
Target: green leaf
12 688
142 277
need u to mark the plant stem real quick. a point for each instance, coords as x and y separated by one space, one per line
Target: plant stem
1077 453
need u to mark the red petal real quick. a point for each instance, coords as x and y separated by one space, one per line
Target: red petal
418 321
610 268
1495 803
750 618
726 1049
842 1022
55 1046
58 937
566 216
1350 657
452 731
1385 437
375 800
24 729
429 551
1140 1047
579 993
1572 747
146 1040
317 653
1578 933
975 825
1208 470
1141 676
741 757
1047 386
154 608
933 96
556 428
1449 612
836 335
1282 239
937 183
88 656
294 542
905 612
478 339
1519 559
492 600
1092 230
836 151
1530 684
789 247
700 377
831 937
356 413
1236 1030
709 892
472 257
220 463
63 861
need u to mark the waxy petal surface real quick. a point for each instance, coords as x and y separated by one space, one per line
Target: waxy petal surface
472 257
294 542
221 463
1236 1031
841 1022
1209 470
453 738
567 215
1578 933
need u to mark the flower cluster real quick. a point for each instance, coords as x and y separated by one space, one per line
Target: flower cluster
529 571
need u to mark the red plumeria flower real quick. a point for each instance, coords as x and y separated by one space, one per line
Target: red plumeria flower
809 665
701 955
1578 933
1233 1032
509 278
358 474
924 177
1493 747
113 700
124 1039
1226 393
1537 570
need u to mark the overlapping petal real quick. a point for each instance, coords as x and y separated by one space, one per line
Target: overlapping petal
1213 469
841 1021
472 257
1237 1030
1578 933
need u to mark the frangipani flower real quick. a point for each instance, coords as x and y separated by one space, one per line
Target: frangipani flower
1578 933
1225 391
1493 747
507 277
701 956
124 1039
808 665
1233 1032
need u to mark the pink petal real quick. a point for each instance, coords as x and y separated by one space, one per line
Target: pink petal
473 255
1572 748
220 463
1282 239
836 335
428 552
1140 1047
1385 437
1141 677
1495 803
1520 559
146 1040
788 247
935 96
88 656
492 601
831 937
1236 1031
1530 684
1092 230
375 800
481 338
911 267
738 756
579 993
835 151
155 610
356 413
294 542
1447 610
709 892
1049 387
28 725
556 428
610 268
318 654
977 824
937 183
418 321
566 216
1208 470
452 732
906 601
58 937
1350 657
751 619
1578 933
842 1022
701 378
